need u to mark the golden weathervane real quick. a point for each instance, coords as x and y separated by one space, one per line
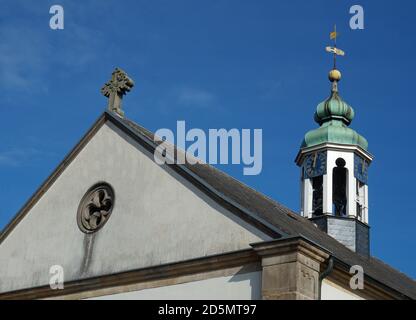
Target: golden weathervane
334 74
337 52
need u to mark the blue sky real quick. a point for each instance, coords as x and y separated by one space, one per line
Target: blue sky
215 64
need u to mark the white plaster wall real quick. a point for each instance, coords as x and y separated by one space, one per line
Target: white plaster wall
158 218
331 291
245 286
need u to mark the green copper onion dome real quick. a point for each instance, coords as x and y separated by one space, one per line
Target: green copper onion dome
334 116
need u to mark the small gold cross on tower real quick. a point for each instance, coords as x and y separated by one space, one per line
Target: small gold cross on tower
115 89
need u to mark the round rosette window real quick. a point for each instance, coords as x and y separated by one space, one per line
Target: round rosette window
95 207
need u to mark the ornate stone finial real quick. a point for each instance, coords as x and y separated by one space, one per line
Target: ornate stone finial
115 89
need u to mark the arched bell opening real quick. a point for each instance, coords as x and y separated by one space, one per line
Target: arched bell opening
340 188
317 195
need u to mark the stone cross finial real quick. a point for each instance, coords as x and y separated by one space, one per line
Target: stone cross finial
115 89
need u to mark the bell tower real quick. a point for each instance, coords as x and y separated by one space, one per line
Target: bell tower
334 161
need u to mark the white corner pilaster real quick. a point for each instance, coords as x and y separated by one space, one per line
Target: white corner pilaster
327 192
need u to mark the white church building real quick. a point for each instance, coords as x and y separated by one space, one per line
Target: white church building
124 227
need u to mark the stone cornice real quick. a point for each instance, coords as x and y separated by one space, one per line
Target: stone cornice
291 244
287 250
373 289
166 271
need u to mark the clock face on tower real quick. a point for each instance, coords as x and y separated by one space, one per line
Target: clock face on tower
360 169
314 165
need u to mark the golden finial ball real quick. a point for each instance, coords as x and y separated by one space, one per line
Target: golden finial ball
334 75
